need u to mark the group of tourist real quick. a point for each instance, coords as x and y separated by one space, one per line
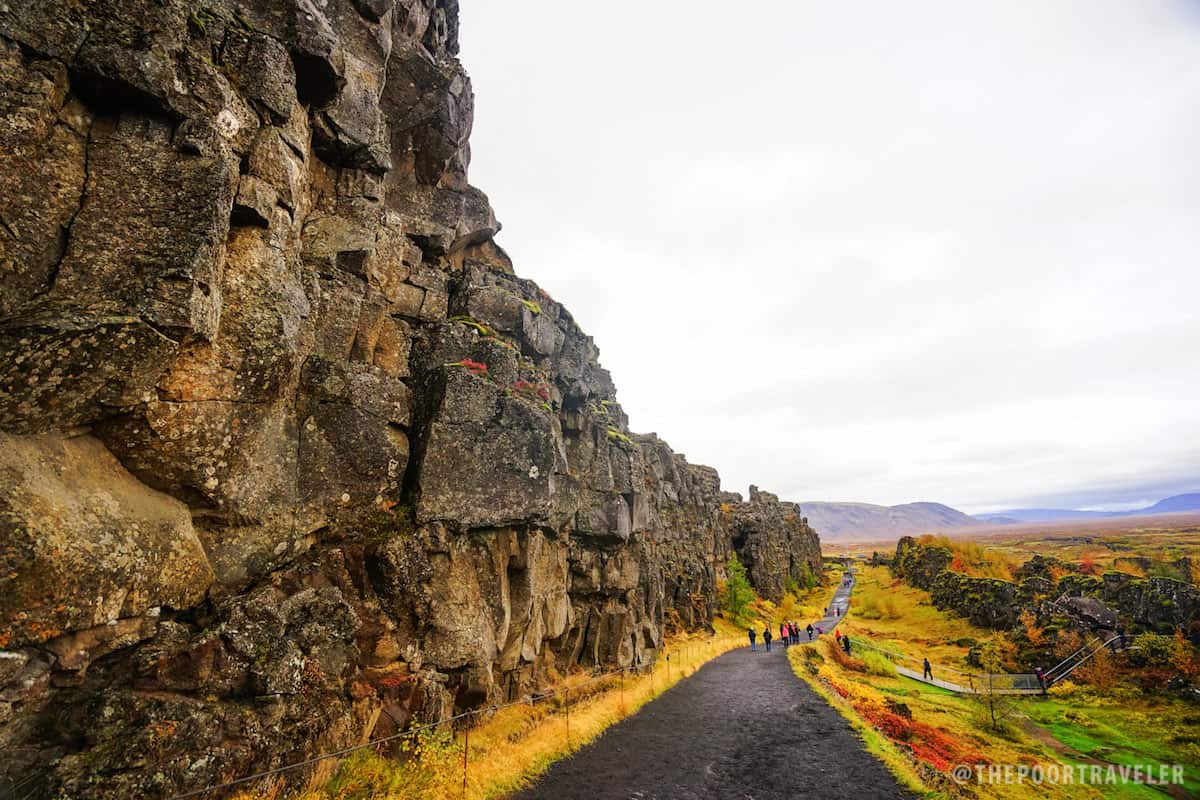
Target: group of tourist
789 632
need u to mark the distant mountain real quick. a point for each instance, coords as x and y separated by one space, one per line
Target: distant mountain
866 521
1179 502
1014 515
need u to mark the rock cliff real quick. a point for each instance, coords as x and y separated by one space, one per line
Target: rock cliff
289 456
1159 605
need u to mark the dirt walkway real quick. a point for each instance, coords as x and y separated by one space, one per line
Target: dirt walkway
743 726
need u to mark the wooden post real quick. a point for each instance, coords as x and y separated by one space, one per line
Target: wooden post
567 703
466 749
622 680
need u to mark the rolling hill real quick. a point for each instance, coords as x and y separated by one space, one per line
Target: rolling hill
1173 504
866 521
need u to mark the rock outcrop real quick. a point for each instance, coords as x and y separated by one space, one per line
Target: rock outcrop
1106 603
289 457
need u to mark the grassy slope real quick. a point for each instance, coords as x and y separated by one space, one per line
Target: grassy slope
894 615
1124 727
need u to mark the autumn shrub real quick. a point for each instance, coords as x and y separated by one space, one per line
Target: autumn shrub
1064 688
1183 658
1151 650
878 664
1099 671
1035 634
834 650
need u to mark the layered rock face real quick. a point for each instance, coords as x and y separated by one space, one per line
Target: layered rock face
289 457
1104 603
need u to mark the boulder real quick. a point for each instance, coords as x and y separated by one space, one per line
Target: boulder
84 544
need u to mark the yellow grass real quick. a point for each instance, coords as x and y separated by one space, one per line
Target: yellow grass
516 744
909 622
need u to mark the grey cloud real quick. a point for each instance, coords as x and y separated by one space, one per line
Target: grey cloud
867 251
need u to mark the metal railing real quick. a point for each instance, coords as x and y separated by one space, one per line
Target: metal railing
984 682
974 682
1114 644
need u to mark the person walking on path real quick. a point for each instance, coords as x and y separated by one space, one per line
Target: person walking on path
928 670
837 635
752 635
783 634
767 637
846 644
1041 678
809 629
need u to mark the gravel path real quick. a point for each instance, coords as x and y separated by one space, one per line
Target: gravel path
744 726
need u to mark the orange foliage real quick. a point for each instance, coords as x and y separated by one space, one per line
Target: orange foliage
927 743
1033 633
1183 658
1099 670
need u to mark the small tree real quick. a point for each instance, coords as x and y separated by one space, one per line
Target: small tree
807 578
738 593
1035 634
994 654
1099 670
1067 643
1183 657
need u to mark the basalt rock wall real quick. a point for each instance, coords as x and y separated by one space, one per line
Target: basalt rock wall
289 456
1103 603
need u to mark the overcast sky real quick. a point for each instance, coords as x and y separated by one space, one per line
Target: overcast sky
868 251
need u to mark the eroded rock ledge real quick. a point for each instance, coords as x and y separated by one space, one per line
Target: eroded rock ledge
288 454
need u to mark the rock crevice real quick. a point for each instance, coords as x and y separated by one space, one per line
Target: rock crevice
289 456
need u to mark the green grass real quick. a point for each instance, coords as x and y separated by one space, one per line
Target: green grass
1159 732
1123 727
925 688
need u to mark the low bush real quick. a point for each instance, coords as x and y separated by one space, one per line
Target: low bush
834 650
879 665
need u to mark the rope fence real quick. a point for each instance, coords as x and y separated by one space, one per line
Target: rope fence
689 651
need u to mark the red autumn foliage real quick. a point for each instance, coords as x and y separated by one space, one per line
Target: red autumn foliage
531 389
927 743
474 367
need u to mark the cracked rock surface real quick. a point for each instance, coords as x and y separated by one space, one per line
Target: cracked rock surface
289 455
